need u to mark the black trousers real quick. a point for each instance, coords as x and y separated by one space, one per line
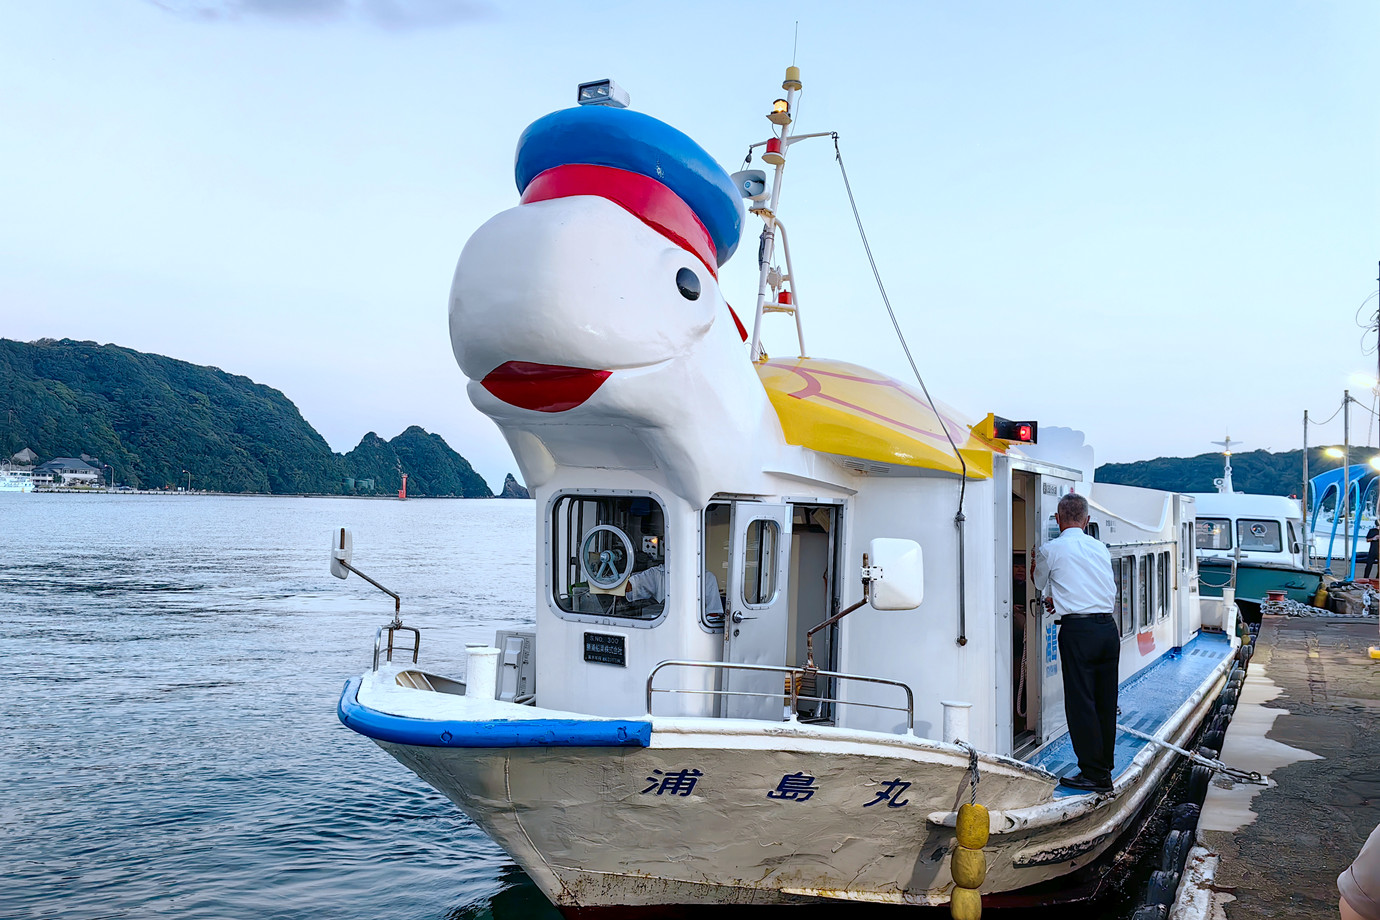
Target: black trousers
1090 648
1370 561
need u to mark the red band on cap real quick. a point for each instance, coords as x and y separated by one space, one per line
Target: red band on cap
646 199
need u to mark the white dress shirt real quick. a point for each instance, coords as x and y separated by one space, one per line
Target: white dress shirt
650 584
1077 570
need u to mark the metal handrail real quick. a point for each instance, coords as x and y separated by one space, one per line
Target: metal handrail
391 628
792 698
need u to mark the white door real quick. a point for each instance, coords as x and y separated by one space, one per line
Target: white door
757 616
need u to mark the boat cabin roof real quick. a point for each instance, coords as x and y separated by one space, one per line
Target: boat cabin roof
839 408
1237 505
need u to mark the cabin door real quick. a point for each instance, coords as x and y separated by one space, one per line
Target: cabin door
1026 650
757 611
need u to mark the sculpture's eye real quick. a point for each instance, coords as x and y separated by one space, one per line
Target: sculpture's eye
688 283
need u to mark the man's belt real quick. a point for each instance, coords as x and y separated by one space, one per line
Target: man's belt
1079 616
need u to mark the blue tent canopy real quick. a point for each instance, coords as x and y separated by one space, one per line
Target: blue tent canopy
1361 477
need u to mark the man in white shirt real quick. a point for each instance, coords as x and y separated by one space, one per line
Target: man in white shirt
650 584
1076 569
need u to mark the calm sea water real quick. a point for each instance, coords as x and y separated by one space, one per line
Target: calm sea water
168 738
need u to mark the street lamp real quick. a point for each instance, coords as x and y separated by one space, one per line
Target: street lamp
189 481
1334 452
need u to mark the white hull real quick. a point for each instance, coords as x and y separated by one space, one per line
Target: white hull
621 825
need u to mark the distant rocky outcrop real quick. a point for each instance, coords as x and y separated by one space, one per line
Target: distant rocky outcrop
432 468
155 420
513 489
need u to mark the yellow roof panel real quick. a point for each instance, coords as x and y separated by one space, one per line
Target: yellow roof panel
839 408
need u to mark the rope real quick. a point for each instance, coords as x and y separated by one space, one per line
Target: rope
838 155
1020 691
1241 776
972 772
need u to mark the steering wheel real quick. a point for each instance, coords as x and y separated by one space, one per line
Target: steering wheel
606 556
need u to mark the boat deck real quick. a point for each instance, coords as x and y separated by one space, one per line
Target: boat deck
1147 700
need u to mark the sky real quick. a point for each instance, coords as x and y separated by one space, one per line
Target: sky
1156 222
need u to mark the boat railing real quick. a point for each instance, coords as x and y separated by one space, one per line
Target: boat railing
793 681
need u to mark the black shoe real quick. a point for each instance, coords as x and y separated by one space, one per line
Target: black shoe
1079 781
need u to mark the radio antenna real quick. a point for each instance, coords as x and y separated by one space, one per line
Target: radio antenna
796 45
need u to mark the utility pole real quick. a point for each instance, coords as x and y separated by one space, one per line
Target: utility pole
1307 537
1346 482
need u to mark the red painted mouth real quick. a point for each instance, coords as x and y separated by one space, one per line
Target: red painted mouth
543 387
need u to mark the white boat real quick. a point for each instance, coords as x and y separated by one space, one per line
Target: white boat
1252 544
12 480
779 638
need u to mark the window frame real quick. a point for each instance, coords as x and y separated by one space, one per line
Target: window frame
708 623
1124 576
1162 569
1230 530
773 569
1279 535
1145 582
550 546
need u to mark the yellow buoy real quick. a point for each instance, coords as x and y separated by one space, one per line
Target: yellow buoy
965 904
969 867
1320 598
972 826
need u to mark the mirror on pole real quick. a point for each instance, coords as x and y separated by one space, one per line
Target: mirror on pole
897 574
342 551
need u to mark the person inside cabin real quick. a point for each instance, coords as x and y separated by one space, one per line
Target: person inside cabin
1372 551
650 585
1076 571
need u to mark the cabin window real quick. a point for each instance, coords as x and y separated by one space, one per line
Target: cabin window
1293 539
608 556
1259 536
1213 533
1091 530
1125 600
760 563
1147 573
1162 595
717 518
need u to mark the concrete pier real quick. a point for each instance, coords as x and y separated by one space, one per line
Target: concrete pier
1308 720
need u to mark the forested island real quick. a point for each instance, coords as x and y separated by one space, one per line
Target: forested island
1258 472
151 419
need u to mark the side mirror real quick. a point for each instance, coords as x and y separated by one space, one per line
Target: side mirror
342 551
897 574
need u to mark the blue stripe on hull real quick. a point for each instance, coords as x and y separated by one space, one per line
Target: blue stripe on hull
490 733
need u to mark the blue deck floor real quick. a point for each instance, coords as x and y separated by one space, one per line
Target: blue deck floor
1147 700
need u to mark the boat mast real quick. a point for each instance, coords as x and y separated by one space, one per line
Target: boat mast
776 156
768 276
1224 486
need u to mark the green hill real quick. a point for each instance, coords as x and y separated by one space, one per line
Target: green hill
1259 472
151 418
432 467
